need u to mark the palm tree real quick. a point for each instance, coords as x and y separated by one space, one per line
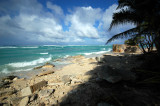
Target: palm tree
145 14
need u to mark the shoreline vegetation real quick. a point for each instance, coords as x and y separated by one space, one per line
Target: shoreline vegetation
123 79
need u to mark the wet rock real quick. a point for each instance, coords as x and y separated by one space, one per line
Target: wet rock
24 101
45 93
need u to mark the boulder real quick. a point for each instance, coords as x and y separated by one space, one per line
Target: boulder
26 91
66 79
45 93
119 48
38 85
100 59
24 101
46 72
47 65
29 90
9 77
15 79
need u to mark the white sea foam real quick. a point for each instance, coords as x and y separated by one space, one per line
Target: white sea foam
44 53
30 47
66 56
5 47
103 48
50 45
99 52
30 63
88 53
6 71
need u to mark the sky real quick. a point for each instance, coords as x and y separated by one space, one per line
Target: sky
58 22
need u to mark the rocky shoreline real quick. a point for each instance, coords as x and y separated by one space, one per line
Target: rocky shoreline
85 82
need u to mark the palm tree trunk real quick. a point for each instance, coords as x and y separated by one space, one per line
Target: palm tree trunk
143 50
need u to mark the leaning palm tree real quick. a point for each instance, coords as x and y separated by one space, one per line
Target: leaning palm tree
144 14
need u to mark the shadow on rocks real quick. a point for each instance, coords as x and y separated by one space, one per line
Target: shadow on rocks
112 83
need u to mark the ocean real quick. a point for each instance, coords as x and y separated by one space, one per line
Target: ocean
25 58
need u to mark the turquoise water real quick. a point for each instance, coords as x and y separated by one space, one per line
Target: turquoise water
25 58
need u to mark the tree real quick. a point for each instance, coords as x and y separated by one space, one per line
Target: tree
145 14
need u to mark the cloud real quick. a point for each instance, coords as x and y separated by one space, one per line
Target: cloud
81 22
30 22
55 8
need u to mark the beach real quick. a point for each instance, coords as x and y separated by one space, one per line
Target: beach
86 80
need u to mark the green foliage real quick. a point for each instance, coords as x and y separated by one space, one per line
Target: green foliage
130 42
145 15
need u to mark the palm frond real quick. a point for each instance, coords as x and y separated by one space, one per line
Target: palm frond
125 34
123 3
123 17
134 32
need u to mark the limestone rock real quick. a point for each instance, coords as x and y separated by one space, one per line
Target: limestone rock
46 72
29 90
4 84
55 84
26 91
15 79
7 92
38 85
33 97
24 101
66 79
45 93
119 48
47 65
9 78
